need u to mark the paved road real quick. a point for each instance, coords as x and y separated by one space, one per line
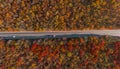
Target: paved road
54 33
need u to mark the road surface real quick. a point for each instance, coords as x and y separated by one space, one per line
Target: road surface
28 34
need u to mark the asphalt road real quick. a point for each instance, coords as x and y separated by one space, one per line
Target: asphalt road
55 33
